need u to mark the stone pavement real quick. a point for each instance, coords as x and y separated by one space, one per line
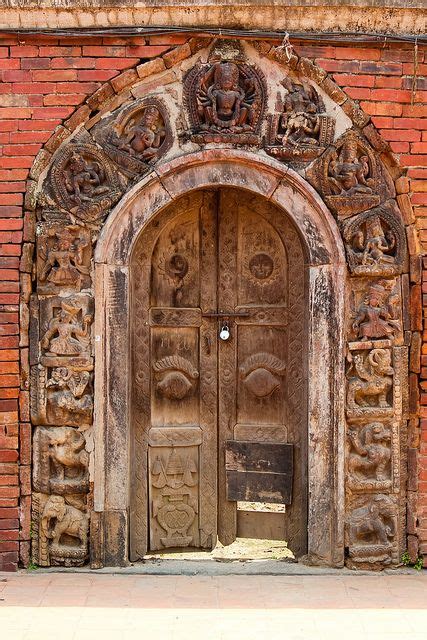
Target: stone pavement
83 606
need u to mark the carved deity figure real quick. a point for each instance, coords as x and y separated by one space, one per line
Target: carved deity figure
143 137
374 247
223 102
67 396
69 458
63 254
84 179
371 453
373 380
349 171
65 335
300 122
374 318
373 523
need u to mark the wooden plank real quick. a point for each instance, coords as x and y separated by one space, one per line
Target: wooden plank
259 456
255 486
259 472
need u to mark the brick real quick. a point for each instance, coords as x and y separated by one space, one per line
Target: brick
64 99
116 63
96 75
402 135
24 52
358 93
16 75
51 52
54 75
339 66
388 82
148 51
354 80
104 51
151 67
381 108
25 443
8 456
177 55
381 68
73 63
124 80
35 63
419 147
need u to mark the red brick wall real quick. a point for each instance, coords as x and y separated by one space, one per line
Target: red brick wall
43 81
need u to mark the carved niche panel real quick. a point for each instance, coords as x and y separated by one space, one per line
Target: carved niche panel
302 131
375 242
61 381
369 460
372 530
63 258
135 137
370 382
61 463
60 530
225 99
376 310
349 177
174 487
83 182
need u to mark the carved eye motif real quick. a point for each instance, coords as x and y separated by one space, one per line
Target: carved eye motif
260 374
177 377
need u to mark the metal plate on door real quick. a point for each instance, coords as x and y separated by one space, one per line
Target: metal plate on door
259 471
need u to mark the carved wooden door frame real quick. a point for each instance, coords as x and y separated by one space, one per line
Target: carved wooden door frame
327 275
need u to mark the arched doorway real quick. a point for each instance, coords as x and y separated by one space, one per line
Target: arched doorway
150 319
219 311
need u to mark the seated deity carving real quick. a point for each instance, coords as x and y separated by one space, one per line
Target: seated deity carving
370 455
370 382
303 130
144 137
67 335
225 99
375 316
64 256
84 179
375 243
349 171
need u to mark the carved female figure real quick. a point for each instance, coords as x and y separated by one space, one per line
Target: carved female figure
70 338
63 262
374 319
348 174
144 138
84 179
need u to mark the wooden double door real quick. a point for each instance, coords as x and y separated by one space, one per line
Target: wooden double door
219 379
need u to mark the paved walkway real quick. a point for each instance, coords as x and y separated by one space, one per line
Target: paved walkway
79 606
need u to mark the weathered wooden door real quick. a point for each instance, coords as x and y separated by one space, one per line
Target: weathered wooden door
218 356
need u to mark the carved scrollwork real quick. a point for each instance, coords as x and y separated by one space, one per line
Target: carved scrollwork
349 177
84 183
225 100
135 137
302 131
375 242
177 377
261 374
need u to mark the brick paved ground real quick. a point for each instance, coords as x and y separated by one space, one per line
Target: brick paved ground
82 606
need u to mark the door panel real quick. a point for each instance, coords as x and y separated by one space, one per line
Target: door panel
217 253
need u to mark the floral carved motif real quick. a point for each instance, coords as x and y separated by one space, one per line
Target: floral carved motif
375 242
349 177
302 131
84 183
225 100
63 258
135 137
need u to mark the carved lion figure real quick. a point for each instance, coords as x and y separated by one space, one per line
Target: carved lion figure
67 451
374 523
373 380
59 518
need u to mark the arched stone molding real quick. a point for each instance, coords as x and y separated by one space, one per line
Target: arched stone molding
327 276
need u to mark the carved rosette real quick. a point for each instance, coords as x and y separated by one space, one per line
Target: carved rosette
84 183
349 177
225 101
136 136
301 130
